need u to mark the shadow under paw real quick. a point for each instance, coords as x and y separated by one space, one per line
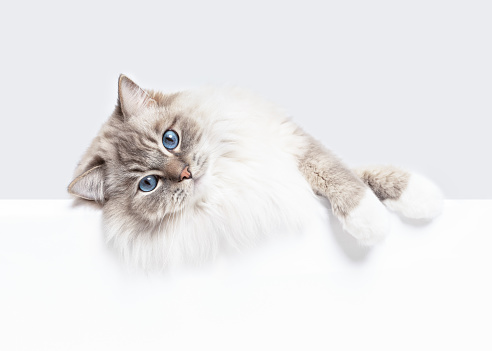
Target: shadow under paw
416 222
350 246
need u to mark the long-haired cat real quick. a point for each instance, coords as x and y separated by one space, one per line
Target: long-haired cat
179 175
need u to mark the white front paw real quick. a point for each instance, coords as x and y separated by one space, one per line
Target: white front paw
369 221
420 199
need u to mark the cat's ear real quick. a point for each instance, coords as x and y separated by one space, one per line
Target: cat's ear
89 185
131 98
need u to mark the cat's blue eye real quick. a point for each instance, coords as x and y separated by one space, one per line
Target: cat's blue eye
148 183
170 140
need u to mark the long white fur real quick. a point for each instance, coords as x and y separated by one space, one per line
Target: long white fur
421 199
252 187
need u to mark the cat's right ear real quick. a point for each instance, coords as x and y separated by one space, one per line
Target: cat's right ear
89 185
131 98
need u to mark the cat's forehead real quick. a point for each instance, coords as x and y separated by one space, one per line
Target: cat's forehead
139 139
174 111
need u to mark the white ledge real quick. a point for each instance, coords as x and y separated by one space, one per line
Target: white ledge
426 287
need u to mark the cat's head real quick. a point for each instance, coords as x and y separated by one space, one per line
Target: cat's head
149 158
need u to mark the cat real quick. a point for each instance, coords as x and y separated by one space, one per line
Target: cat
178 176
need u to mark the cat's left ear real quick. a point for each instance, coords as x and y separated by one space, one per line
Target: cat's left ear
89 185
132 98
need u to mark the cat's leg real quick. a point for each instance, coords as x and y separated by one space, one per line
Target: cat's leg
354 203
408 193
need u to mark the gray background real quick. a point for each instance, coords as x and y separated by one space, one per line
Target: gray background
408 83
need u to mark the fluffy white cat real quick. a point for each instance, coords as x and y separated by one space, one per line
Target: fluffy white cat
180 175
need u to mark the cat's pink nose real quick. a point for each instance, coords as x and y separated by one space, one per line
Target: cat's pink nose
185 174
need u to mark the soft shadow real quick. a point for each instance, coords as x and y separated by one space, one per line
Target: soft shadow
78 202
420 223
107 247
347 242
349 245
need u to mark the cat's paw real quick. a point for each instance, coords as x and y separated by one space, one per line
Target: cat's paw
420 199
369 221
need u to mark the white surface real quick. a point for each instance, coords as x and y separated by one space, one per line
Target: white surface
378 82
426 287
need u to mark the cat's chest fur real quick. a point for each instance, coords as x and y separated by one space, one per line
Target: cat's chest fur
250 186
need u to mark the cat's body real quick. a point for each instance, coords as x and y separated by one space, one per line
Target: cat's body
232 169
